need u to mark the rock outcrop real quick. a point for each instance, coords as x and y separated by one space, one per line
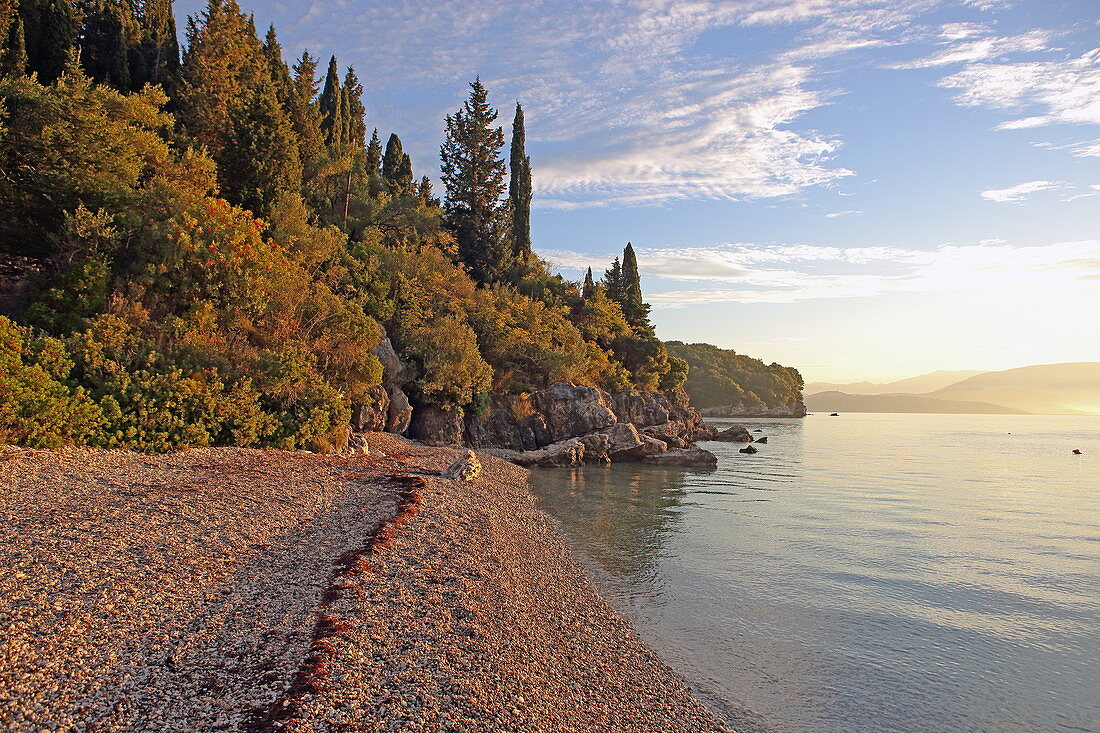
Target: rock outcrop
735 434
438 425
688 457
387 408
567 424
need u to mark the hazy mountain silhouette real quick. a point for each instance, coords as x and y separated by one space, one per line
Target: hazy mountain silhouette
913 385
1050 389
843 402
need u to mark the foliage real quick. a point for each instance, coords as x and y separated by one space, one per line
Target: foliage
519 187
723 377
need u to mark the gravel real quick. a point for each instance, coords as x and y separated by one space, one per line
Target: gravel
233 589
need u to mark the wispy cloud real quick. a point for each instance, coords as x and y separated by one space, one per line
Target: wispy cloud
835 214
968 43
1020 191
1048 92
794 273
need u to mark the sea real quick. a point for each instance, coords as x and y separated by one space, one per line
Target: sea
863 572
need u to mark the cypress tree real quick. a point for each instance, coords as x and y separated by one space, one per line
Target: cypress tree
105 42
519 189
635 309
588 291
473 174
355 126
13 48
50 34
329 103
158 50
397 167
424 192
374 155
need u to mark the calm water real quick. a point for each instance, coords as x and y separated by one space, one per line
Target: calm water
865 572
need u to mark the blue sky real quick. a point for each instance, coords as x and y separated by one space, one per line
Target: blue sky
858 188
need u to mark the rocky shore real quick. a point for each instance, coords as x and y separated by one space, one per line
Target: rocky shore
235 589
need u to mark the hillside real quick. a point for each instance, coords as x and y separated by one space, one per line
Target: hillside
913 385
723 378
842 402
1055 389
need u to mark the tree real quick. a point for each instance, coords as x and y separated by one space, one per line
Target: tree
473 174
305 114
105 40
374 155
280 73
158 50
222 67
635 310
519 189
50 34
329 102
397 167
589 290
613 282
355 127
13 47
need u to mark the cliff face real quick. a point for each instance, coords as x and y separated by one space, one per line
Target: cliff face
569 424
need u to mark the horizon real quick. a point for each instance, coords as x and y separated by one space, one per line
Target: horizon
861 192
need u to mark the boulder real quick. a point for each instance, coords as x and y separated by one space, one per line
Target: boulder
436 425
696 457
399 412
762 440
371 416
394 373
597 447
465 468
735 434
749 449
569 410
563 453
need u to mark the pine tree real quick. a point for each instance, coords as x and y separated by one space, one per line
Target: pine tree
222 67
105 40
519 189
473 174
374 155
424 192
329 102
157 58
588 291
13 48
280 73
635 309
50 35
304 112
613 282
397 167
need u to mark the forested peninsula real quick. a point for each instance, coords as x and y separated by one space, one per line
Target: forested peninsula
208 246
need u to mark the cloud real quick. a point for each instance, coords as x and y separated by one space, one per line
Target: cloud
835 214
1020 191
966 45
749 273
1060 91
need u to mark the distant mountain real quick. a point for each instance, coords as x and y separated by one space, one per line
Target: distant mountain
913 385
1051 389
834 401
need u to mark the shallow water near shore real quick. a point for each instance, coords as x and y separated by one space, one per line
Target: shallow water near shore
864 572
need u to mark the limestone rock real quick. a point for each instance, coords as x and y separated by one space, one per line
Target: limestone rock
570 410
357 443
694 457
569 452
465 468
399 412
749 449
735 434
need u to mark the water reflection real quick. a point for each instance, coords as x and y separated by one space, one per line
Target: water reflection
623 516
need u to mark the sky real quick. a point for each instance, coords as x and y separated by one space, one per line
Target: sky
862 189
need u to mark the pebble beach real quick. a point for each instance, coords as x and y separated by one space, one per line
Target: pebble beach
234 589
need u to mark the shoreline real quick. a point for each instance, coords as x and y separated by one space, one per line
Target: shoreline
265 590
